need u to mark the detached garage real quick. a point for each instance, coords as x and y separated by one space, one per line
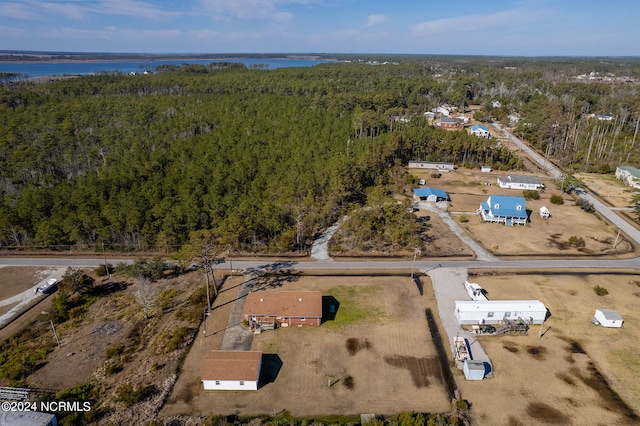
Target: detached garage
232 370
608 318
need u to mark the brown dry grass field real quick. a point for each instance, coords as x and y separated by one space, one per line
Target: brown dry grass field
382 360
378 355
540 237
576 373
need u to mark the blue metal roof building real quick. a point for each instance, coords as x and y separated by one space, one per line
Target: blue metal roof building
504 209
431 194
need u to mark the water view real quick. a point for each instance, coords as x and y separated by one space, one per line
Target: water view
39 69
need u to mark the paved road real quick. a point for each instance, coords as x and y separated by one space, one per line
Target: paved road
631 232
363 265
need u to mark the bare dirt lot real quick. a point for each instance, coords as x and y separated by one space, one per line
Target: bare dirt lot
576 373
379 357
540 237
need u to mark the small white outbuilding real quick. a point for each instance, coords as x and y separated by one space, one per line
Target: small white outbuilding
608 318
544 212
473 370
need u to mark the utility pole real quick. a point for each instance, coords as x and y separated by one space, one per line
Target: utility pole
106 265
55 334
617 236
230 261
413 265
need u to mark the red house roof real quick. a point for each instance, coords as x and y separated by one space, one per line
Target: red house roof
300 304
232 365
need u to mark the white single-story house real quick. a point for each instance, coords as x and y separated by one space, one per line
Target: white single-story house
442 110
494 311
520 182
544 212
608 318
480 131
429 115
473 370
504 209
232 370
486 169
430 194
630 176
432 165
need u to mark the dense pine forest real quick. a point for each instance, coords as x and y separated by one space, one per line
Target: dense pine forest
266 159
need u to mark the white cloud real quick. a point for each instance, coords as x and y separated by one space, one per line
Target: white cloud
250 9
471 23
376 19
18 11
7 32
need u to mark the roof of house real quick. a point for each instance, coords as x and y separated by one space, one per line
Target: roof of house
499 305
425 192
448 120
503 205
610 314
284 303
232 365
478 127
520 179
631 170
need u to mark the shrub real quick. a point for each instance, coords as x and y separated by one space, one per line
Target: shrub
576 241
557 199
585 205
101 270
128 395
530 194
600 291
463 219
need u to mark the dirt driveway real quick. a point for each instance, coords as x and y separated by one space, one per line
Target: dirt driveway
381 361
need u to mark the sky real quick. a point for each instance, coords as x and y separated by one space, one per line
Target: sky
459 27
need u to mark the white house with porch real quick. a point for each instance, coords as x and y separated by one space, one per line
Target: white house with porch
504 209
480 131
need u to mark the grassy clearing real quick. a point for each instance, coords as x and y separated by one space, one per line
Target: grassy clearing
357 304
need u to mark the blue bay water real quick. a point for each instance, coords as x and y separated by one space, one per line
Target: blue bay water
39 69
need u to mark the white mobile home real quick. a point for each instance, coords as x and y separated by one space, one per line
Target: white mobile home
520 182
494 311
432 165
608 318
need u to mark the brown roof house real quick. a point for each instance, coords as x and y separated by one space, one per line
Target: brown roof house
232 370
267 310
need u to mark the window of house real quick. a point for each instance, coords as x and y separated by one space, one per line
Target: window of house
217 382
490 314
301 319
507 314
241 382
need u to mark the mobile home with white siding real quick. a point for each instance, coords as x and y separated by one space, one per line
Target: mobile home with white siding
494 311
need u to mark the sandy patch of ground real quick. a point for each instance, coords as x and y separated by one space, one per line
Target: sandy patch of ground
384 366
577 373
